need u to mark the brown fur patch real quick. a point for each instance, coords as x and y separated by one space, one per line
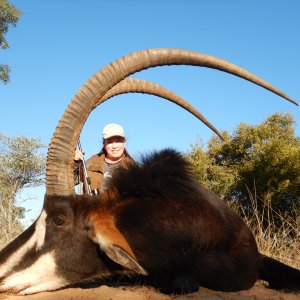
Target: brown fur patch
104 226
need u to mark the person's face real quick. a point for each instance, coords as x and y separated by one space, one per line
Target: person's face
114 147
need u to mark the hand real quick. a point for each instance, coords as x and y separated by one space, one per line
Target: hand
78 155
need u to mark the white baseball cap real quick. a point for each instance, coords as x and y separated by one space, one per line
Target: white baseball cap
112 130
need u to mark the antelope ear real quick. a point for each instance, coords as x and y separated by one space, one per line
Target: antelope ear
113 243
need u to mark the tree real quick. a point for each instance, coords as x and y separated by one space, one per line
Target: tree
21 166
215 177
261 161
9 16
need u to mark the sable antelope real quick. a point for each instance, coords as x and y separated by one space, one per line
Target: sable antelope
155 220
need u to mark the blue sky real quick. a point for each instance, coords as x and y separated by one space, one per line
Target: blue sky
58 44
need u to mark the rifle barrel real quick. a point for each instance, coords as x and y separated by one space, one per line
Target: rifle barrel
85 174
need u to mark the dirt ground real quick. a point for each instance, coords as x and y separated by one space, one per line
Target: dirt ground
104 292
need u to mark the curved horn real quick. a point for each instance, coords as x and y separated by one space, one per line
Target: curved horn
135 85
59 173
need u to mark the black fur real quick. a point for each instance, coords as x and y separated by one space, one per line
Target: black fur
182 234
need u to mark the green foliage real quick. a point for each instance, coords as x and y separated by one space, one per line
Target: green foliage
262 160
4 73
9 16
215 177
21 166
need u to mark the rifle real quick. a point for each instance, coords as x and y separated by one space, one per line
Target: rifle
86 179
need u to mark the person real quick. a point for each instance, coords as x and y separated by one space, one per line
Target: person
100 167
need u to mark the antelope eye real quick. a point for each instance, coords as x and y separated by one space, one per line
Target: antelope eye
58 220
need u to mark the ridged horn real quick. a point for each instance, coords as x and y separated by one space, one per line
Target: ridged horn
135 85
59 172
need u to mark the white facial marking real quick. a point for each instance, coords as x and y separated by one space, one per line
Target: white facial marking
45 286
41 276
37 237
40 230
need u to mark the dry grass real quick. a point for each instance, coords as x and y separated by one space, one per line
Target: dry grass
280 242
